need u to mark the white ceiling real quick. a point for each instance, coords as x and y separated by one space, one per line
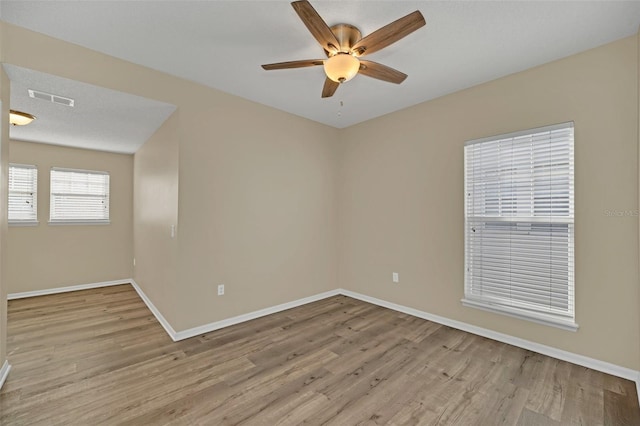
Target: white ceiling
102 119
222 44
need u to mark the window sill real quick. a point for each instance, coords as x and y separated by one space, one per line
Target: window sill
24 223
79 222
539 318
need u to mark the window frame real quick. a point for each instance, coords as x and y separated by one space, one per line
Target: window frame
76 221
514 306
34 197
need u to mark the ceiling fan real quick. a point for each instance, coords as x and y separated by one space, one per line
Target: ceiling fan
344 45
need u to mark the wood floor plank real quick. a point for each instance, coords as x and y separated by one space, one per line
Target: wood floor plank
585 398
620 410
531 418
99 357
548 392
507 407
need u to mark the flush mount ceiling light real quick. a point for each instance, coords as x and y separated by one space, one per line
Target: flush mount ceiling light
19 118
341 67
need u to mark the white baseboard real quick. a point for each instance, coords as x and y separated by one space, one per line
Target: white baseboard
185 334
161 319
4 372
206 328
585 361
592 363
13 296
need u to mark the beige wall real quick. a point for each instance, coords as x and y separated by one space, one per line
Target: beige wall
258 210
155 210
4 170
45 256
401 201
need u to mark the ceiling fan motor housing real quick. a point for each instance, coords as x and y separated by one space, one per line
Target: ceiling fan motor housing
347 35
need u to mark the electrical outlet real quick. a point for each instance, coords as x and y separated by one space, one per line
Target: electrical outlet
134 261
396 277
221 290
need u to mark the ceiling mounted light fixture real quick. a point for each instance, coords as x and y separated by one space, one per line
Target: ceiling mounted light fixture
19 118
344 46
341 67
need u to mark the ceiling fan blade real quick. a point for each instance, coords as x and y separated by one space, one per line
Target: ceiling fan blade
293 64
381 72
316 25
389 34
329 88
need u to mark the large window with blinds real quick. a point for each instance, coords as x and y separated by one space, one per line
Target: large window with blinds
79 197
23 194
519 225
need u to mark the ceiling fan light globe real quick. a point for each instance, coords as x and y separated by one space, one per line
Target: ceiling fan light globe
341 67
19 118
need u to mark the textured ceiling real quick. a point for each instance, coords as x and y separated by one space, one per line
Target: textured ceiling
222 44
102 119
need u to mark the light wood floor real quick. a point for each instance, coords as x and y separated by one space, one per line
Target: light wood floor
100 357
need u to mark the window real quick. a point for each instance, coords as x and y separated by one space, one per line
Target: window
79 197
519 230
23 194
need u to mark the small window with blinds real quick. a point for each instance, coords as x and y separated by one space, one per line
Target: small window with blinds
23 194
519 225
79 197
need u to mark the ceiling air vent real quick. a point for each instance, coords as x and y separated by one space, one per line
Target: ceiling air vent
51 98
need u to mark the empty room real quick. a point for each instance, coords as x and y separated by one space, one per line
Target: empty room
319 212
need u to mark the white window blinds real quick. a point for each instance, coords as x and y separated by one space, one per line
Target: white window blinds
519 231
23 194
79 196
